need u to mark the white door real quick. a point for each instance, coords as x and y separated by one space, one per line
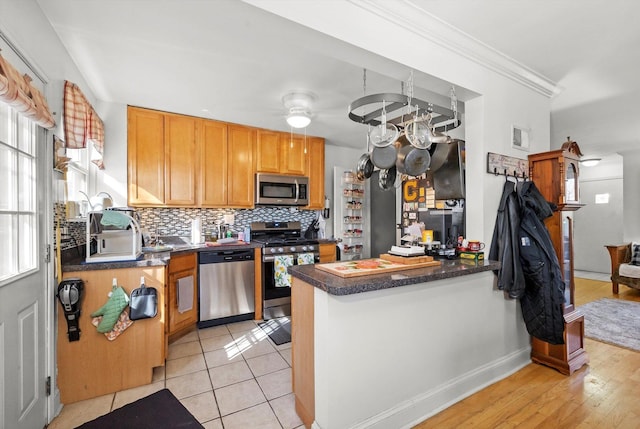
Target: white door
23 280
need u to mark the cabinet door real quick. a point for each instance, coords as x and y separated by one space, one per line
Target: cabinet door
182 267
327 252
180 160
268 151
145 157
241 141
293 159
315 172
212 142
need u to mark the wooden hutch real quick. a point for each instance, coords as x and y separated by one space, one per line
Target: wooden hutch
555 174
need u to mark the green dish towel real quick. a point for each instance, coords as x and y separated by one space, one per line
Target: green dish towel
114 218
111 310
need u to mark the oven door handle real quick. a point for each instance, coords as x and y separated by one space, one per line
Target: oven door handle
271 258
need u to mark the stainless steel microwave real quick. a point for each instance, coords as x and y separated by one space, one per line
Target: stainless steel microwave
280 190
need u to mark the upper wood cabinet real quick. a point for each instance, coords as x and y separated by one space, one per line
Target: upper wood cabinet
145 151
314 168
241 141
180 162
268 146
293 156
213 147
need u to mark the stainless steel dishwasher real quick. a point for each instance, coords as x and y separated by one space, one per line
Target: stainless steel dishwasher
225 286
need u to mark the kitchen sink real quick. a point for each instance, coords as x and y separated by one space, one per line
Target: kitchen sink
175 241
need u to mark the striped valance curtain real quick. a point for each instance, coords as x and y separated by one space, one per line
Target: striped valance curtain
17 91
81 123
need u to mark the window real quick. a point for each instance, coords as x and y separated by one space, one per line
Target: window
18 212
77 174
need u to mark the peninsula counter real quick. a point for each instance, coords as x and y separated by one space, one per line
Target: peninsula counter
390 350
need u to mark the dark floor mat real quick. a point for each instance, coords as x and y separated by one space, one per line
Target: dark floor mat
158 410
279 330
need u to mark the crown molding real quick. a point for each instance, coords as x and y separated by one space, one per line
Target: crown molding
412 17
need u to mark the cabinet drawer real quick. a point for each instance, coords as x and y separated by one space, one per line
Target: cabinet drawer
182 262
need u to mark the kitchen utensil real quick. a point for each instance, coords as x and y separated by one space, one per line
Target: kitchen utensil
418 133
365 167
448 180
384 134
384 157
387 178
412 161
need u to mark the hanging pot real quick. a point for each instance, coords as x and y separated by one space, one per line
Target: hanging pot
365 167
412 161
418 133
387 178
384 157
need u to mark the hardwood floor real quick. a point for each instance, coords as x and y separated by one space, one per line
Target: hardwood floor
602 394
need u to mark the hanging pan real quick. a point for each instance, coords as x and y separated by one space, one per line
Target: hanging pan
384 157
411 160
387 178
365 167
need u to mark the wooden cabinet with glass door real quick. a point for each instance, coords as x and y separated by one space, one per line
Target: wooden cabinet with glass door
556 175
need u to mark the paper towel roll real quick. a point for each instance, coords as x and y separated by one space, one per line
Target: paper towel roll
196 231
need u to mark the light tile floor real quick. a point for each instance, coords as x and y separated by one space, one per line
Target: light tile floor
229 377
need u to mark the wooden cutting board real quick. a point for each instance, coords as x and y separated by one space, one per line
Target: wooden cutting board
407 260
364 267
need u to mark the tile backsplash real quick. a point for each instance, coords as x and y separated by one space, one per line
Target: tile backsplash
177 221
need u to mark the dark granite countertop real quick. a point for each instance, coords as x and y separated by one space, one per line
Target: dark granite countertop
149 259
336 285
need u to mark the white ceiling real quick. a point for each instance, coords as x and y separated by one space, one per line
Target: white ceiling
228 60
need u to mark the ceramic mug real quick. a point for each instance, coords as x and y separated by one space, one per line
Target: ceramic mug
475 246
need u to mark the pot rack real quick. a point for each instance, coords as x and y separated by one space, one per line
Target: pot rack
443 119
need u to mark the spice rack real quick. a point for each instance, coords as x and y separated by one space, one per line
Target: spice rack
351 206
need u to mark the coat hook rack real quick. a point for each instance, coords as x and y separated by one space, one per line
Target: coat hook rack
503 165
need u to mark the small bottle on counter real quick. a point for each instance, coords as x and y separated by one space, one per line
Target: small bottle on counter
247 234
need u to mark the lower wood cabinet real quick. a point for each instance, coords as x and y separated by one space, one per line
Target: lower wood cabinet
327 252
94 366
182 278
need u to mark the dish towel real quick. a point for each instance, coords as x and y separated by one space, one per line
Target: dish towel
305 258
114 218
281 276
185 294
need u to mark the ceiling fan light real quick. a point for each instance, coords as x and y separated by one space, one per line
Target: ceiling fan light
590 162
298 118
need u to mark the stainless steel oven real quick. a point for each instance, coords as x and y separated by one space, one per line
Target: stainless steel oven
282 245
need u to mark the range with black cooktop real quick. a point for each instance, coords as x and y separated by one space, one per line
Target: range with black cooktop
283 246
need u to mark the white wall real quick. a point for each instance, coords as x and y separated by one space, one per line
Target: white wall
631 210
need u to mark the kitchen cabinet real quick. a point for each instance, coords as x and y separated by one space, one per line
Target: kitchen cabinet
315 171
268 148
212 136
240 188
182 161
555 174
146 155
182 268
95 366
327 252
293 154
180 165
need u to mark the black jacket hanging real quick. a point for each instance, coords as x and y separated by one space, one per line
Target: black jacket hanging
543 300
504 244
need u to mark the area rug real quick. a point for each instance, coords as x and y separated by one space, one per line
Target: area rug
158 410
279 330
613 321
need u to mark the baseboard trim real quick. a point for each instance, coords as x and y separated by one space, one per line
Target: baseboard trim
413 411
